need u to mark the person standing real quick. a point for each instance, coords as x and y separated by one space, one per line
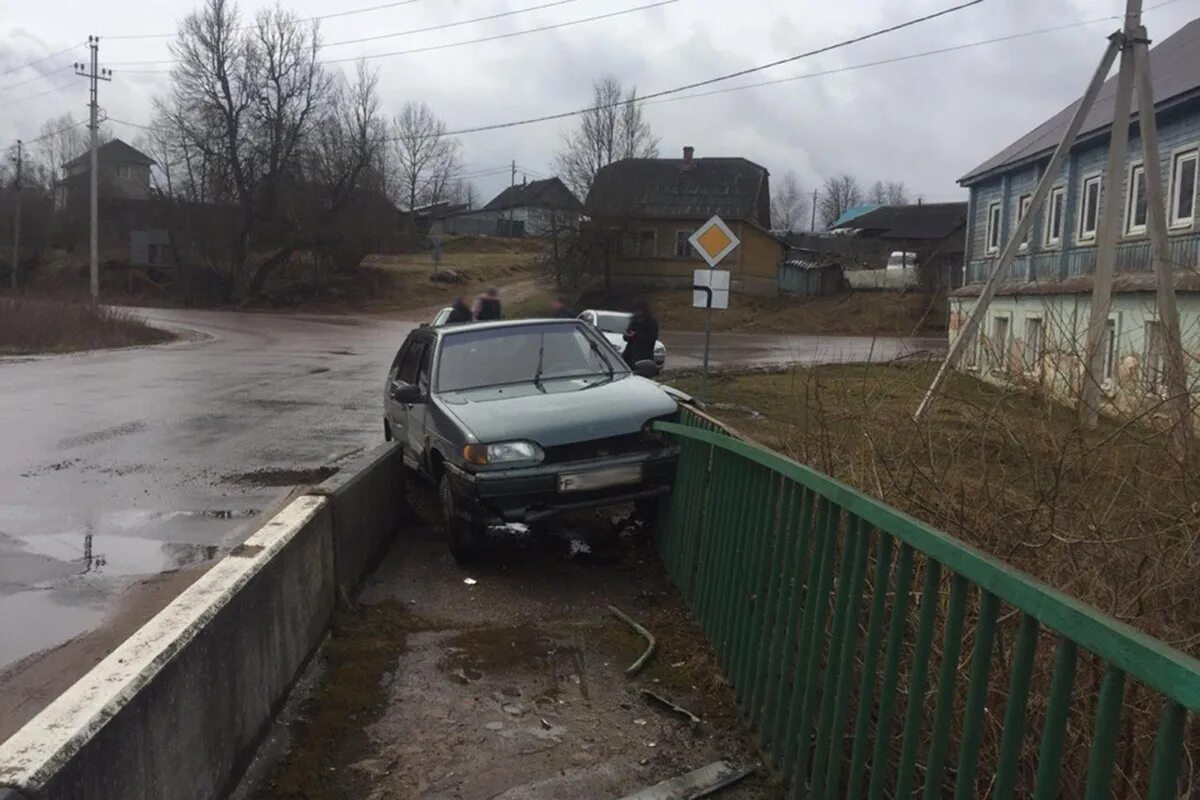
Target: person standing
641 335
459 312
560 310
487 307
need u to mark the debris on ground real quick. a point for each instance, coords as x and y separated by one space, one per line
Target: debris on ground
650 694
470 581
697 783
636 666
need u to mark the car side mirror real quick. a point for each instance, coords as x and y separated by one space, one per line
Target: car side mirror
407 393
646 368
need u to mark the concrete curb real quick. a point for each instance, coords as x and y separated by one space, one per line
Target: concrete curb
174 711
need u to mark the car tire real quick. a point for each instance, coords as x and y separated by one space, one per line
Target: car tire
462 535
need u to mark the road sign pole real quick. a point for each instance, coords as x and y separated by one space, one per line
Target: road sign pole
712 241
707 339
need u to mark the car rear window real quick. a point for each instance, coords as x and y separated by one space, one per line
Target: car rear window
497 356
612 322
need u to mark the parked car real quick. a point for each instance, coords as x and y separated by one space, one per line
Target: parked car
440 317
613 325
517 422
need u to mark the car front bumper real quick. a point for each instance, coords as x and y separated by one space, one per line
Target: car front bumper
533 494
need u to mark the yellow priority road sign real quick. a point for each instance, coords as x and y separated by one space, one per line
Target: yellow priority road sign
713 241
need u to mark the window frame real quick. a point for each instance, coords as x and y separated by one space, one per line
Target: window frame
1081 234
1057 193
1000 362
995 216
1135 174
1033 361
1190 152
1023 205
686 245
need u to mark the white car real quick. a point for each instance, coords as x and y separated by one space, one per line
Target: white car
613 325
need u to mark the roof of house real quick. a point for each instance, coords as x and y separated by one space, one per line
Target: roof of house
662 187
114 150
548 193
853 213
922 221
1175 67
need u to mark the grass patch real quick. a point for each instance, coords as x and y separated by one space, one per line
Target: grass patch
57 326
849 314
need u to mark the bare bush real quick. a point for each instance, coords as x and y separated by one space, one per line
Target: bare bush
46 326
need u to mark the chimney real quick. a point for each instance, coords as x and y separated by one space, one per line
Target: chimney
687 157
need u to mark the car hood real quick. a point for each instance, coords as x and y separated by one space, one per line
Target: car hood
570 410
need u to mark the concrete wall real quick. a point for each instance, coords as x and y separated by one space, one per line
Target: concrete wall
178 708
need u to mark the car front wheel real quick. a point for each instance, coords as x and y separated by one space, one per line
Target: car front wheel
462 535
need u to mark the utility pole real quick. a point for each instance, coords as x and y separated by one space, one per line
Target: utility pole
94 75
813 225
1110 225
16 254
512 181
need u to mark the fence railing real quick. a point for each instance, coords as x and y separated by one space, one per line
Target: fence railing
828 609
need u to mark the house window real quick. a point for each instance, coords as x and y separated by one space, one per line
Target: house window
1152 358
1184 168
641 243
683 248
1055 210
125 170
1089 208
1023 204
1035 343
1135 203
993 228
999 344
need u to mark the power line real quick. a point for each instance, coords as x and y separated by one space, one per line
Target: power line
51 90
720 78
331 15
64 51
48 134
37 77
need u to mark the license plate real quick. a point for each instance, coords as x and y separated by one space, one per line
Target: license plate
599 478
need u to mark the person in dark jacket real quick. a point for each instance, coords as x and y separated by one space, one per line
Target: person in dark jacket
560 310
459 312
641 336
487 307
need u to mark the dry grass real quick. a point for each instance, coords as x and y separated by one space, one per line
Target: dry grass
850 314
57 326
1108 516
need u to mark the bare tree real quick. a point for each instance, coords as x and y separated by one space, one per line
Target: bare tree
426 160
837 196
614 128
61 139
789 204
463 192
892 193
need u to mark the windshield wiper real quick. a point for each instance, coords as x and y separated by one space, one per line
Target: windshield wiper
537 376
604 361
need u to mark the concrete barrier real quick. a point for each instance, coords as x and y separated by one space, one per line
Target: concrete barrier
367 497
174 712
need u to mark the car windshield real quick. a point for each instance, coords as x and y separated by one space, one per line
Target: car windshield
612 321
497 356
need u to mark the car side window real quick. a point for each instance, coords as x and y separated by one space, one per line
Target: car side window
397 361
423 370
412 360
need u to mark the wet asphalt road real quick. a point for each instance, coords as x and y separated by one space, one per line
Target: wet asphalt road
120 464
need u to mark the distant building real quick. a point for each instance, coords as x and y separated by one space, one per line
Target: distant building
535 208
124 173
932 232
1035 328
654 205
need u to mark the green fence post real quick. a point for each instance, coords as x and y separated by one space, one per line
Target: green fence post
981 664
731 572
927 613
1014 712
759 585
862 720
891 672
947 680
730 481
1104 735
756 536
1057 709
779 574
1164 775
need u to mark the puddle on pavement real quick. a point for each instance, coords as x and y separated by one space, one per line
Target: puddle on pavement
101 554
40 619
281 476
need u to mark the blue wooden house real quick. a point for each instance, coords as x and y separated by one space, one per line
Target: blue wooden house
1036 326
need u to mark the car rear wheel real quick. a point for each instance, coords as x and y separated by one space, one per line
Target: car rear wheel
462 535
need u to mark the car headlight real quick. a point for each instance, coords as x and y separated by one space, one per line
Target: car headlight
503 453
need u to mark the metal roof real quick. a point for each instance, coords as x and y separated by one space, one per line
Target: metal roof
548 193
1175 67
927 221
114 150
667 188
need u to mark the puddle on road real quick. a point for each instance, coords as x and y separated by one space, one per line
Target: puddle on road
281 476
118 555
40 619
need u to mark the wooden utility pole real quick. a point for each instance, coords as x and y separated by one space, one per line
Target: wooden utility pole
967 336
813 225
1111 224
16 249
1178 396
94 74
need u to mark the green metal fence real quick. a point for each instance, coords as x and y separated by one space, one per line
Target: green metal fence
808 590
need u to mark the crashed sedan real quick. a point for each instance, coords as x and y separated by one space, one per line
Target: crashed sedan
518 422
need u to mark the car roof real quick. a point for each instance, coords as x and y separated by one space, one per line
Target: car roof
468 327
604 311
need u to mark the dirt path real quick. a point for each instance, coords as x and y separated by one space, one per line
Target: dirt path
512 686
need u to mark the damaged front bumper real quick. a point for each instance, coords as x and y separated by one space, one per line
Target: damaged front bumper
507 500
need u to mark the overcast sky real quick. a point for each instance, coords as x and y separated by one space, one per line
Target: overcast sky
924 121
